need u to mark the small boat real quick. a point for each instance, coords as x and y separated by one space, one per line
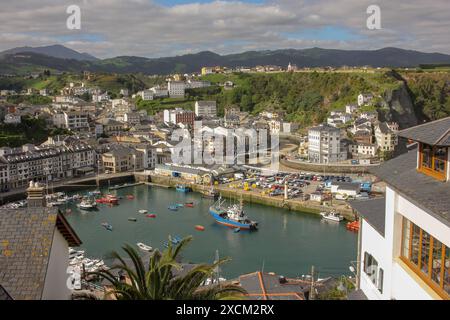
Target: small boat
179 205
189 204
353 226
211 193
132 219
87 204
332 216
183 188
107 226
175 240
173 208
144 247
152 215
109 199
130 197
200 228
142 211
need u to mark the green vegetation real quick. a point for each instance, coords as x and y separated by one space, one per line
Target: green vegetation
430 93
157 282
31 130
33 99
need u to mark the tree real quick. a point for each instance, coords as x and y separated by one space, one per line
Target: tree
157 281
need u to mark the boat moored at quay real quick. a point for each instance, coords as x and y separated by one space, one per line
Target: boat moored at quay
232 216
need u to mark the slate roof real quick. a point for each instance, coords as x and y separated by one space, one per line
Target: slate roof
267 286
4 295
373 211
436 133
26 237
324 127
384 128
425 192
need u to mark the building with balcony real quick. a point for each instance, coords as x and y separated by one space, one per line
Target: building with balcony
325 145
404 238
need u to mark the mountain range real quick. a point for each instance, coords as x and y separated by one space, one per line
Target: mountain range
60 58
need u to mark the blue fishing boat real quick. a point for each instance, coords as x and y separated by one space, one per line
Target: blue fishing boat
232 216
183 188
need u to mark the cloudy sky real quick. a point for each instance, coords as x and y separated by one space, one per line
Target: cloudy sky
155 28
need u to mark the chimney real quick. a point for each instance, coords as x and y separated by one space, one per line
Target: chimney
35 196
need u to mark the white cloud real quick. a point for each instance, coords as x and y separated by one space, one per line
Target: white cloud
145 28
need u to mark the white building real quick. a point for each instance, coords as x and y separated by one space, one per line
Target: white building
132 118
149 155
351 108
324 144
176 89
205 108
76 120
363 149
404 251
194 84
386 139
364 99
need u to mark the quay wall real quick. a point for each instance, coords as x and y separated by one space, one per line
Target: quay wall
311 167
68 186
247 196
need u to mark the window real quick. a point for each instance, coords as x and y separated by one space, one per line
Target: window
427 257
371 267
433 161
380 280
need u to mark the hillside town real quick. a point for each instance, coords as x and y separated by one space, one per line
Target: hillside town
348 168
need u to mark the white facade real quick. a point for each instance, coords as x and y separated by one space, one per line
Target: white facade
363 149
176 89
55 287
364 99
324 145
205 108
399 281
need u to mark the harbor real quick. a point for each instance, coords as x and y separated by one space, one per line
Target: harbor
286 242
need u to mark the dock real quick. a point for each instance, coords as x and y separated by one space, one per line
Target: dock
126 185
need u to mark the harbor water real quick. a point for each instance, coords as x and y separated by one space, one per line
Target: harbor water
287 243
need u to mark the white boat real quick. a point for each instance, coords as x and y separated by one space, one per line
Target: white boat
87 204
333 216
144 247
143 211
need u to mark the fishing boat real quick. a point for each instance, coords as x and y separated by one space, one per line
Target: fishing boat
87 204
183 188
144 247
189 204
107 226
132 219
130 197
95 193
109 199
200 228
232 216
173 208
332 216
152 215
143 211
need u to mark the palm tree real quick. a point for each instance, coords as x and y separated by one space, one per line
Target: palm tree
157 282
